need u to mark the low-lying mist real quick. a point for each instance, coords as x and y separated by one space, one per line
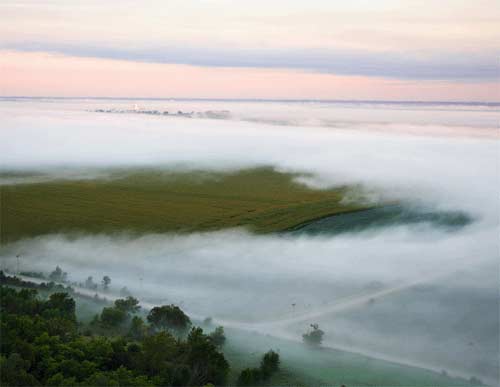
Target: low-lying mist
449 171
421 293
251 282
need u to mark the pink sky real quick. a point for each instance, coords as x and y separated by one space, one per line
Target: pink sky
297 49
42 74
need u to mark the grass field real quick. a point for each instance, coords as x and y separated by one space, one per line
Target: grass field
304 366
141 201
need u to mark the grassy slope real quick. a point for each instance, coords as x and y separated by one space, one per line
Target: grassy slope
303 366
159 201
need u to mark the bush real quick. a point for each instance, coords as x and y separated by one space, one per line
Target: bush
314 337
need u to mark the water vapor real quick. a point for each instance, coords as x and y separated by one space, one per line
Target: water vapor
421 292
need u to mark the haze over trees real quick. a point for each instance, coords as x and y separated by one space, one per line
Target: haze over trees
314 337
58 275
106 281
268 366
41 345
218 337
90 284
169 318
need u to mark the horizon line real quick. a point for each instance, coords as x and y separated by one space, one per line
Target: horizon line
296 100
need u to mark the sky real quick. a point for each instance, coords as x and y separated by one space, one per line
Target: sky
296 49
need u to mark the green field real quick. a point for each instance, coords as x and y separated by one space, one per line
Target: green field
304 366
154 200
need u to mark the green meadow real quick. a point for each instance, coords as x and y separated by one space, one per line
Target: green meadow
154 200
304 366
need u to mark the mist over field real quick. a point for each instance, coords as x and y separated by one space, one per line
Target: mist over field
420 293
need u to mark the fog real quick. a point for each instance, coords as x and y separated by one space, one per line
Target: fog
435 290
54 137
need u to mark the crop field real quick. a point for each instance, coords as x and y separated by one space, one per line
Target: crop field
144 201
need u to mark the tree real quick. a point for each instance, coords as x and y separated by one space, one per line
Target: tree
129 305
112 317
168 317
13 372
61 304
218 337
58 275
89 283
270 363
42 345
249 377
314 337
138 329
206 363
158 350
106 281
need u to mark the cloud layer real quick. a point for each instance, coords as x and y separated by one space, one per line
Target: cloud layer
451 65
446 281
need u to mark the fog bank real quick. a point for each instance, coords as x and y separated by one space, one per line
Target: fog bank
435 290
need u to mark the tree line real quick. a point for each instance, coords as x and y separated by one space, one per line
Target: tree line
42 343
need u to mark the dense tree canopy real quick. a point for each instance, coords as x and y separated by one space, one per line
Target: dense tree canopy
169 317
41 345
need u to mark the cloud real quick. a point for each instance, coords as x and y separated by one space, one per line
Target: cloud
444 65
364 150
249 282
240 277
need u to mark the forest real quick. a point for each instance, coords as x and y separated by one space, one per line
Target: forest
43 343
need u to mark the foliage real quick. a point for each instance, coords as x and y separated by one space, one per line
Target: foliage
128 305
268 366
168 317
90 284
206 362
218 337
41 345
250 377
138 329
58 275
270 363
49 286
112 317
106 281
120 313
314 337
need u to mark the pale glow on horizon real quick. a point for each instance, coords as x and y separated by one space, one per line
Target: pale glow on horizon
42 74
